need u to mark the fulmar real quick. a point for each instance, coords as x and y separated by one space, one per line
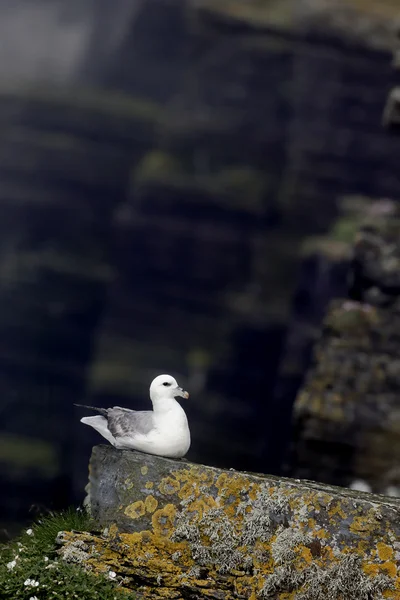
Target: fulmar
163 431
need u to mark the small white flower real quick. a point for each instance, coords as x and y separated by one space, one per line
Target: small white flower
11 565
33 598
112 574
29 531
31 583
46 559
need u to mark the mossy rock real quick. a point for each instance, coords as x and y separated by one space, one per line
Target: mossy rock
175 529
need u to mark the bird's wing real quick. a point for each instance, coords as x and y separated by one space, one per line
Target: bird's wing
123 422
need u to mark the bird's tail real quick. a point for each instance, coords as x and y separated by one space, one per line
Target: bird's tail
102 411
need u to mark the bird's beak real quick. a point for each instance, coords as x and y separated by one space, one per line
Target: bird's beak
182 393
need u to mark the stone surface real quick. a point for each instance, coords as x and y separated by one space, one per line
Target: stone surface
174 529
329 264
188 188
346 415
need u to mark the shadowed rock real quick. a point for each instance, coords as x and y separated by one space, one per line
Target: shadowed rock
175 529
346 416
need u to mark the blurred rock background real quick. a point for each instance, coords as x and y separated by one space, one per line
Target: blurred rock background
174 197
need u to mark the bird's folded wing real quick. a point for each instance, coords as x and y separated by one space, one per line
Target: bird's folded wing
124 422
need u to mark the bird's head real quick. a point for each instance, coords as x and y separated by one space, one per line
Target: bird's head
166 387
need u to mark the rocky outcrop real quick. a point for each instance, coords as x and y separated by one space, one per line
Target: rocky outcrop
174 529
346 416
157 226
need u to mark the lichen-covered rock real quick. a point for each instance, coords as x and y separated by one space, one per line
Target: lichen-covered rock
376 256
346 415
323 275
174 529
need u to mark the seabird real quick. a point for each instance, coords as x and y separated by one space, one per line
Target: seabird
163 431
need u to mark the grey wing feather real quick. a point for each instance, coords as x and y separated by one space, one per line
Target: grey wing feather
124 422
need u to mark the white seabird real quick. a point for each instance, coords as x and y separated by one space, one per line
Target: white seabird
163 431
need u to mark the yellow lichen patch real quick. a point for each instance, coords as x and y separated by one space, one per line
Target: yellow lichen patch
189 491
194 474
149 485
113 530
231 489
200 506
362 547
254 491
362 525
389 568
322 534
144 470
328 554
163 520
320 500
232 485
169 486
311 524
305 554
384 551
372 569
150 504
244 587
135 510
128 484
337 510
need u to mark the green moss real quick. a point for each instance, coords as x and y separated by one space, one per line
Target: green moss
245 186
157 165
30 566
241 186
345 230
93 100
28 265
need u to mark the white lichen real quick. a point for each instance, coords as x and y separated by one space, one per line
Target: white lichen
227 543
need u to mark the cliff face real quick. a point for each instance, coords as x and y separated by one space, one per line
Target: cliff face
346 414
175 529
158 227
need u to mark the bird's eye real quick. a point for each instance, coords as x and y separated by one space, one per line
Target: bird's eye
166 383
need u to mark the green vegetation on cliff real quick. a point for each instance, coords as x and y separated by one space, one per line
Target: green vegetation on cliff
30 568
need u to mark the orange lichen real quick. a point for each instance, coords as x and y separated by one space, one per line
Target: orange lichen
389 568
135 510
188 490
322 534
384 551
253 538
163 520
305 554
337 510
169 486
150 503
200 506
363 524
311 523
254 491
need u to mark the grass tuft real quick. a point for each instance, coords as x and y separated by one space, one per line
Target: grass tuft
30 566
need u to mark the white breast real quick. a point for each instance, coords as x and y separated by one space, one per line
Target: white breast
171 437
